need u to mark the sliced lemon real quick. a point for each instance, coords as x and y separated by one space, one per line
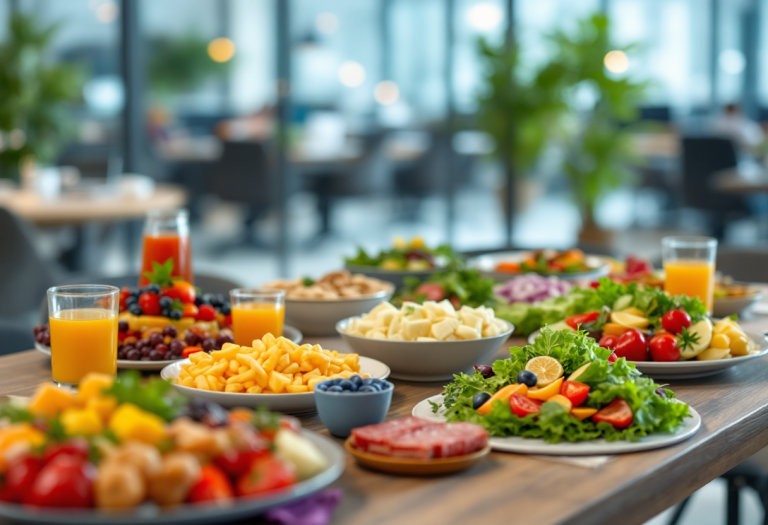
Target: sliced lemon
547 369
634 310
630 320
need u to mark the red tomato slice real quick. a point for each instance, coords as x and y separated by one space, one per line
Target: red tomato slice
523 406
575 392
618 413
612 358
580 319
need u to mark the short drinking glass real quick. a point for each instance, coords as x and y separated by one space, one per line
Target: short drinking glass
689 263
83 322
255 313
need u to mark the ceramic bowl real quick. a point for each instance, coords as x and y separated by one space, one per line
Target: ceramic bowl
427 360
318 317
395 277
725 306
340 412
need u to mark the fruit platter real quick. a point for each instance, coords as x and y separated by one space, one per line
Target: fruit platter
572 265
666 336
165 321
275 372
406 258
122 451
564 394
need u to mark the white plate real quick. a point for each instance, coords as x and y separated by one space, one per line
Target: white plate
151 366
280 402
487 266
693 368
188 514
594 447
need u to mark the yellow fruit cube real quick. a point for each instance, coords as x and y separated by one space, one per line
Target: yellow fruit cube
278 382
130 423
49 400
81 422
93 385
297 389
103 406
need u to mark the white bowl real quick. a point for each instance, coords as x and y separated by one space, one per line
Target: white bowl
318 317
427 360
486 264
725 306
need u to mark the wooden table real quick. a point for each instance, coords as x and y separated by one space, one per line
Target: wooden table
508 488
743 180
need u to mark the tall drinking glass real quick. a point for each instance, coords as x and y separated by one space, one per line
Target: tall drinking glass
166 236
255 313
83 320
689 263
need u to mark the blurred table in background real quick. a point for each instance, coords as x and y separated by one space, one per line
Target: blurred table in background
747 177
663 145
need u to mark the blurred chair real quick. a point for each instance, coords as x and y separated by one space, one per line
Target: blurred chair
206 283
244 175
26 275
655 113
702 158
93 160
15 338
743 264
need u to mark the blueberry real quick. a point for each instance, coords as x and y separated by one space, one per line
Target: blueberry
348 385
367 381
367 388
165 312
527 378
131 301
335 388
165 302
480 399
153 288
356 380
336 381
135 309
133 292
225 309
175 315
206 298
321 386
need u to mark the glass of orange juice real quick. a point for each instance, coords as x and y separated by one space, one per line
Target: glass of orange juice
689 264
255 313
83 320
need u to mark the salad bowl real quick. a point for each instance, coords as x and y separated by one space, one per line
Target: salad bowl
487 264
318 317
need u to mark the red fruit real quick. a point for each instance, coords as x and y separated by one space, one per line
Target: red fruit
618 413
632 346
237 462
575 392
432 291
265 475
150 303
609 341
577 320
227 321
67 481
213 485
664 348
20 477
125 292
181 290
675 320
638 266
188 351
455 302
523 406
77 447
612 358
206 312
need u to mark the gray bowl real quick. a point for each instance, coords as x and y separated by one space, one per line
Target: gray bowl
340 412
426 360
318 317
726 306
393 276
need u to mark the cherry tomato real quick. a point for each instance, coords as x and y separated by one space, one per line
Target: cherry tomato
523 406
150 304
189 350
609 341
433 291
675 320
125 292
227 321
664 348
612 358
575 392
181 290
77 447
455 301
508 267
67 481
618 413
206 312
266 474
20 476
632 346
637 266
237 462
580 319
189 310
213 485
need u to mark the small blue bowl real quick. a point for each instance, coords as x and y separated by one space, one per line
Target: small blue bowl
340 412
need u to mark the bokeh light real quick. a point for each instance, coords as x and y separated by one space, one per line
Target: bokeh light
327 23
221 50
484 17
351 74
732 61
386 93
616 61
107 12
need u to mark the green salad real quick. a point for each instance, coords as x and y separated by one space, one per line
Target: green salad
654 302
460 286
603 386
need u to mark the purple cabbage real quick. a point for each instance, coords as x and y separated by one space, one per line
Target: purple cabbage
531 288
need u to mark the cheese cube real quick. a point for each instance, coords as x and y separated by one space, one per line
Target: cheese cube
396 337
382 307
490 331
447 307
425 339
394 327
471 320
412 311
452 337
416 328
465 332
444 328
385 317
374 334
365 325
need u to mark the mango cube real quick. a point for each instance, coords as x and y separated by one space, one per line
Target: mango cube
130 423
93 385
49 400
81 422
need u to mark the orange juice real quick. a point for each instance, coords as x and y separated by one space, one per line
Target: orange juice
691 278
254 320
83 341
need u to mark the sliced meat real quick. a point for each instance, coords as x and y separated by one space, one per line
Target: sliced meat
428 443
475 437
376 438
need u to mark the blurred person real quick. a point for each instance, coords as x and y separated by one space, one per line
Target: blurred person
746 134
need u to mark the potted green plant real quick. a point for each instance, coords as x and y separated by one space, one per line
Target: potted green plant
601 150
33 96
